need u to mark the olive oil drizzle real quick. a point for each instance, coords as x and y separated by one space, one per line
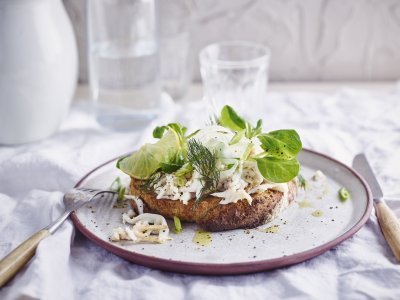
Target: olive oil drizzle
202 238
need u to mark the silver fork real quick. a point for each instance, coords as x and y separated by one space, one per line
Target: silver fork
16 259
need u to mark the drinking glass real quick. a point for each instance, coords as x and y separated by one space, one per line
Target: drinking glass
175 51
123 61
235 73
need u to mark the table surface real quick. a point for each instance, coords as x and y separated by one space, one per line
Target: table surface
338 119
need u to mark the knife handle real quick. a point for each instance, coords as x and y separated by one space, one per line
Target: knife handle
19 257
390 227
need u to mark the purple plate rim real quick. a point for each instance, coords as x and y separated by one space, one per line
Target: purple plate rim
194 268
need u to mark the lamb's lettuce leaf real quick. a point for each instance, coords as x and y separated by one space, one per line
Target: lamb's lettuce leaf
278 170
282 144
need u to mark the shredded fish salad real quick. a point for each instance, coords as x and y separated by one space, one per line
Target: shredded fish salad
239 177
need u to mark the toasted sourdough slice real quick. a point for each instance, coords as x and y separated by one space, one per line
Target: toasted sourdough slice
212 216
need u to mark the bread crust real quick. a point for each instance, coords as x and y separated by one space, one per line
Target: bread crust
212 216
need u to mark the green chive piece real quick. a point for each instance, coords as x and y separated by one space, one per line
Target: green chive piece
178 225
344 194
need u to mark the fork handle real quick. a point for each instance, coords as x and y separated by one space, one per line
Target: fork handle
390 227
15 260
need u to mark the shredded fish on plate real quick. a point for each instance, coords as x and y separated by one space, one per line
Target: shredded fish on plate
145 228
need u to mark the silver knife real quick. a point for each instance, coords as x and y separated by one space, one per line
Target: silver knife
388 221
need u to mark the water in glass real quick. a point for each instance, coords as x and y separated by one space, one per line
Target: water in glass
124 63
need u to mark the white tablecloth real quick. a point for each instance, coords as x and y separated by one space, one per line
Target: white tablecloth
34 177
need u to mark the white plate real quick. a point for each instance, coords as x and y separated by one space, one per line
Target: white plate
299 233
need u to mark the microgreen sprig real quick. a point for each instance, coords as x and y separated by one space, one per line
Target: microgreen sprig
119 188
230 119
278 162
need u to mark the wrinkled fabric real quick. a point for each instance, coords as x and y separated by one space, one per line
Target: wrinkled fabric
33 178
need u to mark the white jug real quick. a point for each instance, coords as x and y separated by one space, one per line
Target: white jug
38 69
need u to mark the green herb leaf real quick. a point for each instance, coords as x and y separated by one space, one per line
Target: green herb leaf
302 182
179 132
230 119
237 137
192 134
158 132
185 169
178 225
169 167
119 188
278 170
176 128
257 130
229 166
121 194
173 165
283 144
180 181
205 163
116 184
180 175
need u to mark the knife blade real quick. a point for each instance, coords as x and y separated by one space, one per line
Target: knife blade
361 165
388 221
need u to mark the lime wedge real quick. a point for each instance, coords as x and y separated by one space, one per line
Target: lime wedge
144 162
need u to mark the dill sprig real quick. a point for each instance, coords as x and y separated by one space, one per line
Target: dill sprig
205 163
148 184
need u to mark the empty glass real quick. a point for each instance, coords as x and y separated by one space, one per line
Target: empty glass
235 73
123 61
